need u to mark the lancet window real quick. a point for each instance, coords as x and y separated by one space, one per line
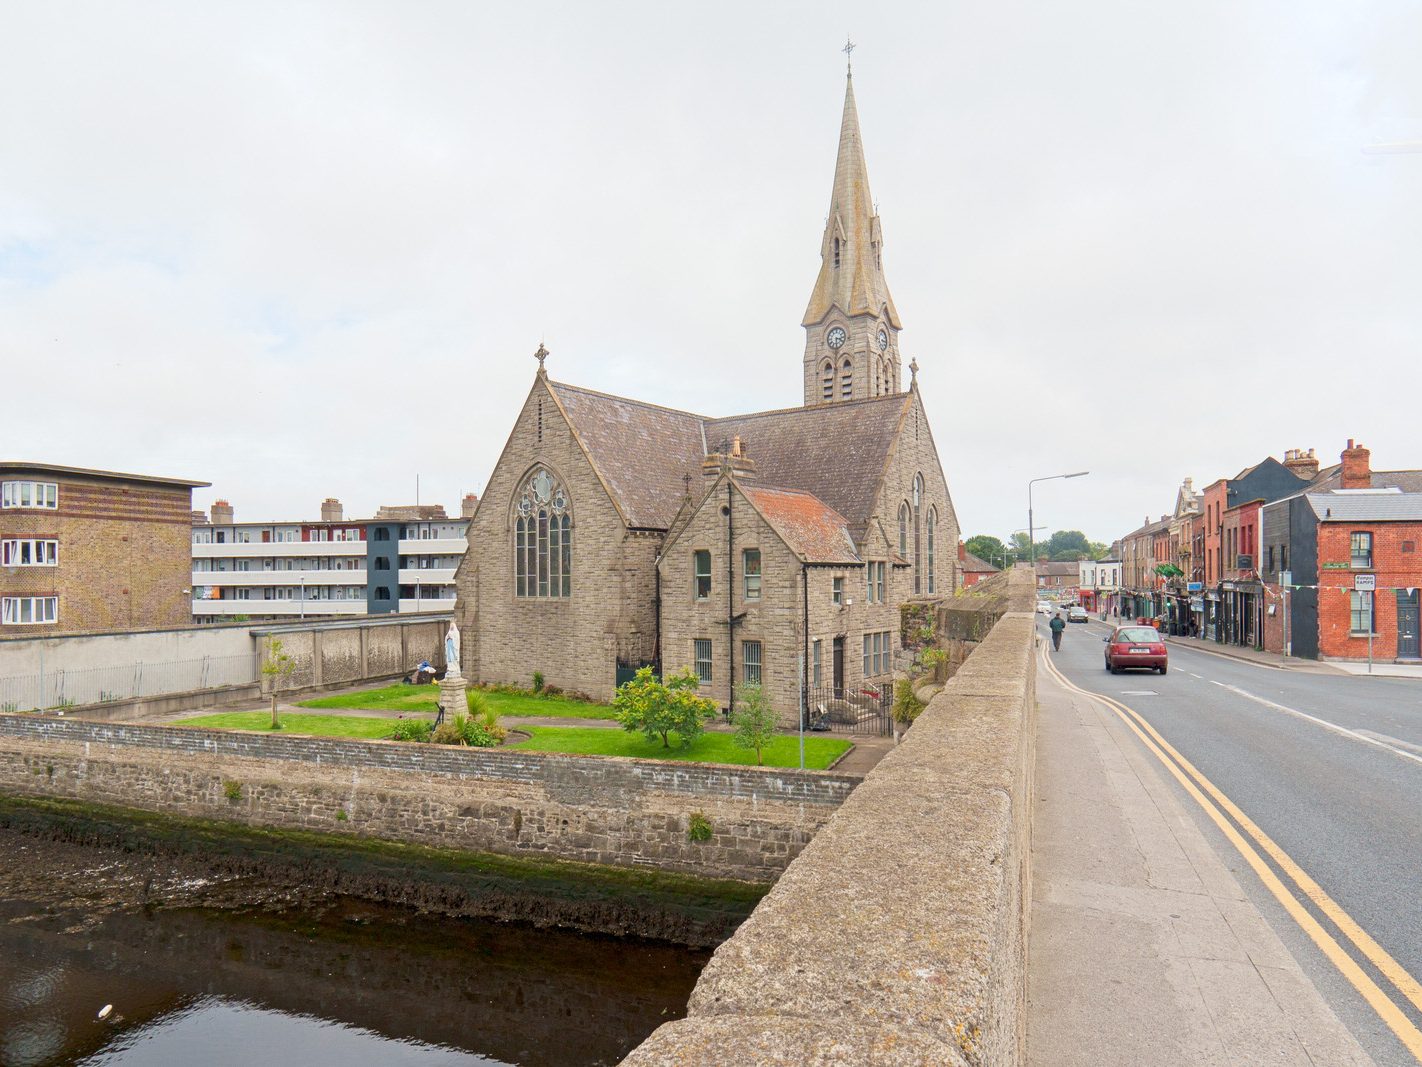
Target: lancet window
543 539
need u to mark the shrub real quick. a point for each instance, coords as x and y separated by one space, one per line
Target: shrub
463 730
698 827
658 708
232 790
552 691
538 681
486 717
341 815
411 730
906 705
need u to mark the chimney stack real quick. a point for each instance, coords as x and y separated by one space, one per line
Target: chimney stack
1304 464
331 510
962 552
1357 472
733 456
467 506
221 513
199 517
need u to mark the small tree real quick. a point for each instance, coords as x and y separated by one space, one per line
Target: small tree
658 708
277 665
755 721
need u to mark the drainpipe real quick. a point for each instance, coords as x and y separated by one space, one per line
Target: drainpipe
657 612
805 672
730 602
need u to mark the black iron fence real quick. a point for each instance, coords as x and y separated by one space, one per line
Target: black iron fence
866 708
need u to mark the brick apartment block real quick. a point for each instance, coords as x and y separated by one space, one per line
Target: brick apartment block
91 550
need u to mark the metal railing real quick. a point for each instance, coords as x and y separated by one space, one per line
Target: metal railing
101 685
862 708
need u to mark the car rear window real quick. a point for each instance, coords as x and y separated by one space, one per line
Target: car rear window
1138 633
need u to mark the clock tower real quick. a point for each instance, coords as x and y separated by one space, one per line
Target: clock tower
851 324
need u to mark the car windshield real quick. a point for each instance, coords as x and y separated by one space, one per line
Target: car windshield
1137 633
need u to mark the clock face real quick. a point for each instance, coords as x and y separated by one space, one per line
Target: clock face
835 338
883 340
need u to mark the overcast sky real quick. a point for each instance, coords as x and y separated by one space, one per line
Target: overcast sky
302 250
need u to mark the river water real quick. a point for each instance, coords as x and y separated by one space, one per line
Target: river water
212 971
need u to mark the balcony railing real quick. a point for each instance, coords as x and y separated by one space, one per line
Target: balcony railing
430 576
278 549
254 579
433 546
311 608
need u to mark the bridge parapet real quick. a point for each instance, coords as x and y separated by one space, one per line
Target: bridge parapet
897 936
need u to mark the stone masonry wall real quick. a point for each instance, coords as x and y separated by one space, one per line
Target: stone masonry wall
898 935
597 810
506 638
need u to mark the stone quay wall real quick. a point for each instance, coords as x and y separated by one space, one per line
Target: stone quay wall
898 934
606 810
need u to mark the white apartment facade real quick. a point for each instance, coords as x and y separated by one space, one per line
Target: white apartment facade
403 560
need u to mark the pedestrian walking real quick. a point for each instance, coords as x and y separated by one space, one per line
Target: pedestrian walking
1058 624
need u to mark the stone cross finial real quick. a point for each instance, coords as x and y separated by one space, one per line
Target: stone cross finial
540 355
848 50
913 372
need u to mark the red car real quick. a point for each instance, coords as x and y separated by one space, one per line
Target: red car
1136 646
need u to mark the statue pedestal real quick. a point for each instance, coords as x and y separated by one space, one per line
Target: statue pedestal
452 697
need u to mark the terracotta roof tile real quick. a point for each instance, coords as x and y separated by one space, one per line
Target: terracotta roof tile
813 530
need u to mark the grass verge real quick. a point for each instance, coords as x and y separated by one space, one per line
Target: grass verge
294 723
401 697
784 751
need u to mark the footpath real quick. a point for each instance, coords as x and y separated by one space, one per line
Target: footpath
1143 948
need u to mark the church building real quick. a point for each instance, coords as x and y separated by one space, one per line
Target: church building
771 548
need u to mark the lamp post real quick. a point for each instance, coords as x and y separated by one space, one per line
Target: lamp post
303 596
1031 534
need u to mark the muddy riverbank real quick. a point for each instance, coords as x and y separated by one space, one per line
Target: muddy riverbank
198 939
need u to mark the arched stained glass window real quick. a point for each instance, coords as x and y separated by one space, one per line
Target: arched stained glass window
903 531
917 542
543 539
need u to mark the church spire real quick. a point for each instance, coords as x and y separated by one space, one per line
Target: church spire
851 315
851 269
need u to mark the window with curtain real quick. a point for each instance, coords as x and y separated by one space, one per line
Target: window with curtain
750 567
1361 621
543 539
701 571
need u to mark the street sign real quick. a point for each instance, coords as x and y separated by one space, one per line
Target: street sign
1194 587
1365 583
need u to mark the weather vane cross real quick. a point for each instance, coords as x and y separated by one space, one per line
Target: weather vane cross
540 355
848 50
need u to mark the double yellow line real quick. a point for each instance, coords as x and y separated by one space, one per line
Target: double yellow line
1216 805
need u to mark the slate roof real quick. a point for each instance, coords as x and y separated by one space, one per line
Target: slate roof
1332 477
643 452
836 451
814 531
1366 507
974 564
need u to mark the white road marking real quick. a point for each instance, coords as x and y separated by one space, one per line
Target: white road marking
1353 735
1192 674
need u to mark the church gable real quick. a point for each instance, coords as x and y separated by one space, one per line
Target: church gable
915 505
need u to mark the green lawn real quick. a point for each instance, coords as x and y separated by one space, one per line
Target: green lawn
784 751
319 725
400 697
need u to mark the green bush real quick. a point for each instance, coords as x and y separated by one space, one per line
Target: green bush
341 815
906 705
411 730
538 681
486 717
463 730
232 790
698 827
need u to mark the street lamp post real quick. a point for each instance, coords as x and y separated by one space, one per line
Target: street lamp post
1031 534
303 596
